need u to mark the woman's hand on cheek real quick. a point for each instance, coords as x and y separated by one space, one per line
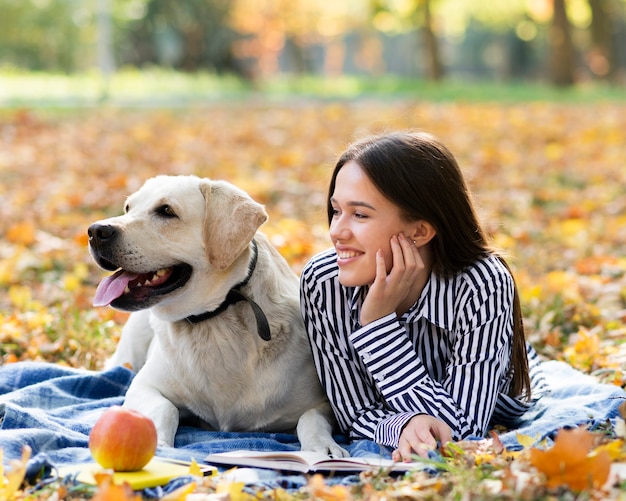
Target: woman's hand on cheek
390 290
419 436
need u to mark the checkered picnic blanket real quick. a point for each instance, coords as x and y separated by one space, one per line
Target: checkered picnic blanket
53 408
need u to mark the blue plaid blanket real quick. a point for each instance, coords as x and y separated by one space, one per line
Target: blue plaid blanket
52 408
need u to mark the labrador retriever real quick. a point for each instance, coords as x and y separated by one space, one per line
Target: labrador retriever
216 329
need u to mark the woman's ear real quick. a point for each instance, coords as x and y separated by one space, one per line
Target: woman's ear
423 232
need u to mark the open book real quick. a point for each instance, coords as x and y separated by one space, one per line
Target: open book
306 461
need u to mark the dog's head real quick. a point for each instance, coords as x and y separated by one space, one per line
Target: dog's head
177 242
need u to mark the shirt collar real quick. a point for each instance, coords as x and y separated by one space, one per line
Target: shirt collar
356 300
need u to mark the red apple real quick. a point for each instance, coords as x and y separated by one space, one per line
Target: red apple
123 439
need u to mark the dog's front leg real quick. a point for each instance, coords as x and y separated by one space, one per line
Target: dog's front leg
146 398
315 432
132 349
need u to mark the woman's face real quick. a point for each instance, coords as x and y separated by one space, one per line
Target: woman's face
363 222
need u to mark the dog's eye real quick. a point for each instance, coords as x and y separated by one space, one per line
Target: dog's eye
165 211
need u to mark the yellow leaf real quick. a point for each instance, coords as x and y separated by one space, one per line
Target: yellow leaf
585 350
559 281
20 297
73 280
482 458
613 449
526 441
11 480
234 490
194 469
554 150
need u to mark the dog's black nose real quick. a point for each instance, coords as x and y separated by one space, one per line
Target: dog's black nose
101 233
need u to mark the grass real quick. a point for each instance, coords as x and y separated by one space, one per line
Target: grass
160 87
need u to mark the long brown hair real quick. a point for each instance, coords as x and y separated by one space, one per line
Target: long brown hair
420 175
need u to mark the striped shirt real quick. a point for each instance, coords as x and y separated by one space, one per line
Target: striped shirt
448 356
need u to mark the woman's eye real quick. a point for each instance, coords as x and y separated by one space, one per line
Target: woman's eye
359 215
166 211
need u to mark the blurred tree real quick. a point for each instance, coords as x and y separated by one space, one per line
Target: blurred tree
187 35
265 28
274 28
106 61
412 16
494 39
561 47
602 58
434 66
45 34
500 38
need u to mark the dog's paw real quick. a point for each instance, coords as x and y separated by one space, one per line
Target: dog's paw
330 449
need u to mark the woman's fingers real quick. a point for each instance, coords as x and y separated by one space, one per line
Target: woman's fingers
397 255
381 267
443 432
407 449
420 435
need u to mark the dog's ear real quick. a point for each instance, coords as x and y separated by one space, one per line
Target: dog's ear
230 221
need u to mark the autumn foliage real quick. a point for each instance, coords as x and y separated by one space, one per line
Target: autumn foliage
572 461
549 180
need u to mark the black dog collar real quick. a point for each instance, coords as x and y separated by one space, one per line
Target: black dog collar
235 296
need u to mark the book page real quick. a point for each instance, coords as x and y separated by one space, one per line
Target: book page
306 461
305 457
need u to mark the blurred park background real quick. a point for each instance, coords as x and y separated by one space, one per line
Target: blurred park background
199 48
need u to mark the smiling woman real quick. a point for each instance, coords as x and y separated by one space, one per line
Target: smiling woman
413 319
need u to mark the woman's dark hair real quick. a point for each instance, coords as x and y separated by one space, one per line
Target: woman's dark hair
420 175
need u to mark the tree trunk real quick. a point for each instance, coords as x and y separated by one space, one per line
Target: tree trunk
434 67
298 56
602 58
106 61
561 46
334 57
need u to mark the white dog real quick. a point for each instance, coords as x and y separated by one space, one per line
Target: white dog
216 329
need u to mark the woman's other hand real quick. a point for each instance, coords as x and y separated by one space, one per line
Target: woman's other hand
421 435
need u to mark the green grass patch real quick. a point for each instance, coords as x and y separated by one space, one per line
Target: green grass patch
447 90
160 87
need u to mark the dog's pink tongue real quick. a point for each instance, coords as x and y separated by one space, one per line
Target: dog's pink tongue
112 287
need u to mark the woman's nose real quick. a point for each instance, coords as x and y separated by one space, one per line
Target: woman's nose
338 229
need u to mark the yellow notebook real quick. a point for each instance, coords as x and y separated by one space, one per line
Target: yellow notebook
159 471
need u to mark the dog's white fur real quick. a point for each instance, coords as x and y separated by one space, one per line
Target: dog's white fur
219 370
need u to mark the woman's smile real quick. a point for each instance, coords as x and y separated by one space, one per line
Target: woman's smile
344 255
